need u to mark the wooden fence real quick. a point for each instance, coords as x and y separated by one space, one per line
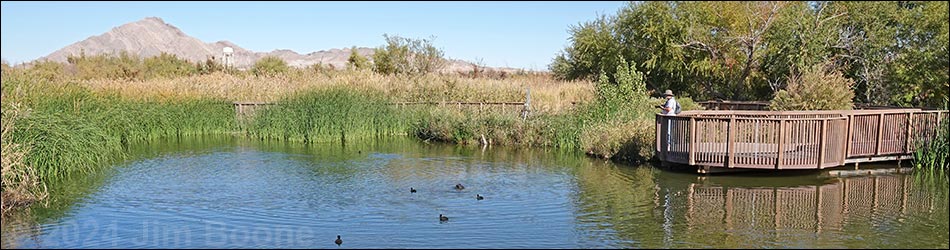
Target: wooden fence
793 139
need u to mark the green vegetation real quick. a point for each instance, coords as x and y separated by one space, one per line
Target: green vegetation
895 52
820 87
357 61
407 56
270 66
932 156
335 114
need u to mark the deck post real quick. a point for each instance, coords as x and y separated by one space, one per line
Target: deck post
880 134
848 144
910 117
781 143
692 141
821 144
730 143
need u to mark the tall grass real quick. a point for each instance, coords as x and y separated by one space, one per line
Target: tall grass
70 129
931 155
335 114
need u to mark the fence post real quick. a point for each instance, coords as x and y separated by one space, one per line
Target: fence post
730 142
821 144
848 144
781 143
880 134
692 141
527 104
910 117
656 117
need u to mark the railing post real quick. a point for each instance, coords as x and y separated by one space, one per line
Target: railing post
880 134
910 117
730 143
781 143
821 144
848 144
692 141
658 132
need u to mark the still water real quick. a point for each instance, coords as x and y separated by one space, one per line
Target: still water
234 193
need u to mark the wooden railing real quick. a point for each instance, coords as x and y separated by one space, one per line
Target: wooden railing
794 139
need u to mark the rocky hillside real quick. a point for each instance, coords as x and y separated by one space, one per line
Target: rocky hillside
151 36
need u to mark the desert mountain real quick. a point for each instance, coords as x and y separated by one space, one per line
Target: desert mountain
152 36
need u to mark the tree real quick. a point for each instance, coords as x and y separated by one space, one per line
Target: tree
407 56
357 61
819 87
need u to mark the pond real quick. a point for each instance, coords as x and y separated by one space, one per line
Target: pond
224 192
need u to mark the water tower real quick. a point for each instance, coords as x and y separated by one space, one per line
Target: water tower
228 51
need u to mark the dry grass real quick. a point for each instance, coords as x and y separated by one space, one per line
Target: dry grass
547 94
21 185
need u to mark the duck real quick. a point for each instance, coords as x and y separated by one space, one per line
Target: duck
338 241
479 197
459 186
412 190
443 218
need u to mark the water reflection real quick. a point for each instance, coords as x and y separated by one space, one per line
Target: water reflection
190 192
670 211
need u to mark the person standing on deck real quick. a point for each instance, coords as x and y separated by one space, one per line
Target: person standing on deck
669 108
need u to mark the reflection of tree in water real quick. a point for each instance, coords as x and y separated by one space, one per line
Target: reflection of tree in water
619 200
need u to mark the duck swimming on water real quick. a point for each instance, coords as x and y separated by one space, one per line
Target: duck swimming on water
412 190
443 218
459 186
338 241
479 197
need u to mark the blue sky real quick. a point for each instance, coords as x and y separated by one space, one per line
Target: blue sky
513 34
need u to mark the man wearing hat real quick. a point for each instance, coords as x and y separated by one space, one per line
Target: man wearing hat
670 107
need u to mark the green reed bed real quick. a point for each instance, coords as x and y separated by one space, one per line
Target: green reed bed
71 130
931 156
334 114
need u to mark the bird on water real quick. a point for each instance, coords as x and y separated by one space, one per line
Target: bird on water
338 241
412 190
459 186
443 218
479 197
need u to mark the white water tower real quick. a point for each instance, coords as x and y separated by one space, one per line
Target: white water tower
228 51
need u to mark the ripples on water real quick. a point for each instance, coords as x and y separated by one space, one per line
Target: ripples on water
227 193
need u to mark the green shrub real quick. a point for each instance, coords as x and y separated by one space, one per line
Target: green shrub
168 65
819 87
357 61
270 66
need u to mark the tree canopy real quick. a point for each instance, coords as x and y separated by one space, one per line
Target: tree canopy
895 52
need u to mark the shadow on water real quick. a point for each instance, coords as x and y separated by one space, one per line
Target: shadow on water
204 187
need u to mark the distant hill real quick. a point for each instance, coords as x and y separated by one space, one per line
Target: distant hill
151 36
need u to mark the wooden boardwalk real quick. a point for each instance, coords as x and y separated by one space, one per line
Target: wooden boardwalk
792 139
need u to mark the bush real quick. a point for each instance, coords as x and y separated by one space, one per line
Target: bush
357 61
407 56
269 66
168 65
122 66
819 87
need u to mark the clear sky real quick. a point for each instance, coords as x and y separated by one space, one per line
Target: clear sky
502 34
